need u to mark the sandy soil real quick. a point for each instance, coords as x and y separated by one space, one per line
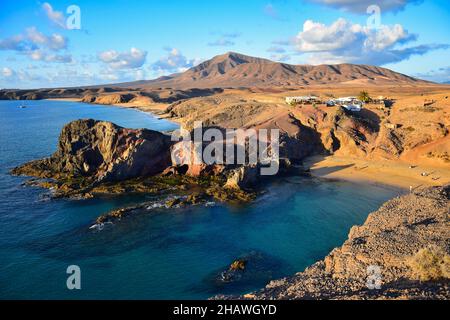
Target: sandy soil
388 172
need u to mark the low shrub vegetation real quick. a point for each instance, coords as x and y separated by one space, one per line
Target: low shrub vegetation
430 264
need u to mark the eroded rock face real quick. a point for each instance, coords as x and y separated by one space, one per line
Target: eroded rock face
103 151
108 99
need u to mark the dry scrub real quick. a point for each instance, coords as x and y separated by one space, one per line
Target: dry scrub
429 264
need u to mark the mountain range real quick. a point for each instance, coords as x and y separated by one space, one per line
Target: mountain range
236 70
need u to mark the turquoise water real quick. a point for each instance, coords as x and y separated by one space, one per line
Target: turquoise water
155 255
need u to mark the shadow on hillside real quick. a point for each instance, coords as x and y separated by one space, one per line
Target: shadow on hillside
332 169
369 118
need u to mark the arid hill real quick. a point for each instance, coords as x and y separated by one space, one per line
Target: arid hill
227 71
238 70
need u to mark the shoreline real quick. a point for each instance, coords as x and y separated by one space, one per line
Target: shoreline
142 108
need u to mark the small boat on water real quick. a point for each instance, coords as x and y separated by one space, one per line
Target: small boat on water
22 107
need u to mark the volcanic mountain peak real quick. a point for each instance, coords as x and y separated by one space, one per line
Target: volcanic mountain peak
225 62
239 58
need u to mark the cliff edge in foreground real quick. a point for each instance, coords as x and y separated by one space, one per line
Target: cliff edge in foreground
404 247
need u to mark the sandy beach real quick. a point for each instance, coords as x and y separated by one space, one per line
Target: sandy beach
387 172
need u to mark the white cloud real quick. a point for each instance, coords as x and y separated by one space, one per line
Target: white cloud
38 46
345 42
280 57
66 75
221 43
18 77
7 72
282 42
276 49
175 61
360 6
437 75
39 55
133 59
108 75
54 42
61 58
317 37
386 37
139 75
114 75
225 39
57 17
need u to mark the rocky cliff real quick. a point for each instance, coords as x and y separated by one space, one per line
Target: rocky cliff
102 151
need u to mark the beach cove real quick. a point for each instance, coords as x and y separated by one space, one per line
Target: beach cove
299 220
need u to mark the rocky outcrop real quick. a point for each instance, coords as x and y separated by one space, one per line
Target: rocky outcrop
243 177
97 158
384 246
250 268
103 152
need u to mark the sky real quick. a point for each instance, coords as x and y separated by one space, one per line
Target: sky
78 42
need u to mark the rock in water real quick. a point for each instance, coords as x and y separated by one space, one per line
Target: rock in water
103 151
242 177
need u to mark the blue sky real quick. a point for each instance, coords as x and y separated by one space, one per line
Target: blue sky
126 40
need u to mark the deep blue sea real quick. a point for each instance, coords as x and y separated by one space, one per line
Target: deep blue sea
173 254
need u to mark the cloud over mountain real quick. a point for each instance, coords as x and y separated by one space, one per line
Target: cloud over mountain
174 61
225 39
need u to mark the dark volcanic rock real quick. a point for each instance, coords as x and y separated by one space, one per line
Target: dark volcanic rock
103 151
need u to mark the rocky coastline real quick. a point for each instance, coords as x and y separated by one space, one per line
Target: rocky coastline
96 159
401 252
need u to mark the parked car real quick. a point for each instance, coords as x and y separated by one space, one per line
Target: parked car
352 107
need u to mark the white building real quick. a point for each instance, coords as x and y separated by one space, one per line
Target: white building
303 99
349 103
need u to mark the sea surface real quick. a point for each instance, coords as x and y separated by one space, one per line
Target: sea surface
155 254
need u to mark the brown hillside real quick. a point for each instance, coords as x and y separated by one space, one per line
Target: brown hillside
238 70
